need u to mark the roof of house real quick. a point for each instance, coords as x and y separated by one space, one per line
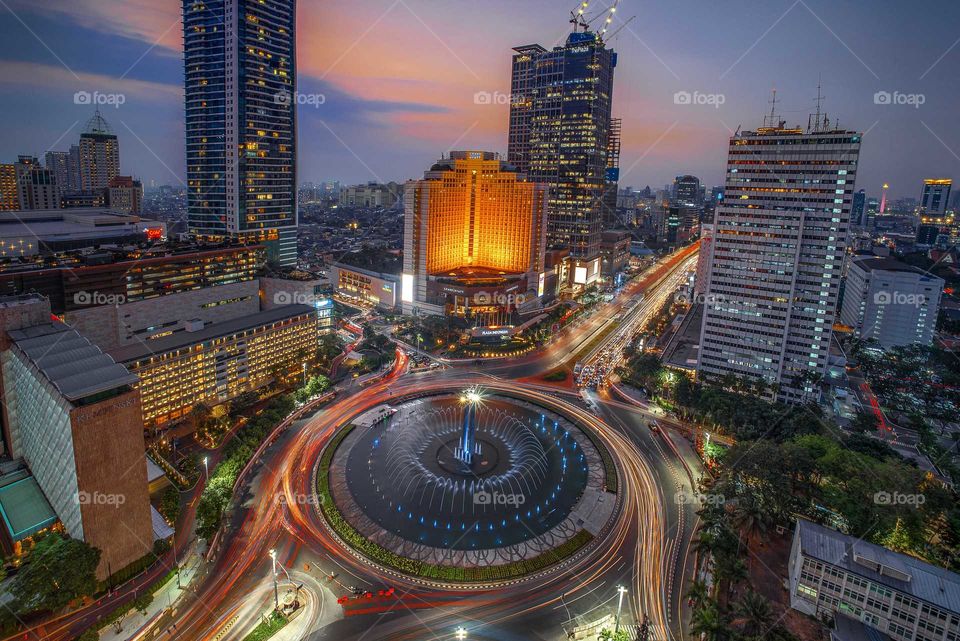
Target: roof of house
901 572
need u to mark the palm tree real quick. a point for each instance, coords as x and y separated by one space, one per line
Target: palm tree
709 624
751 520
754 613
699 593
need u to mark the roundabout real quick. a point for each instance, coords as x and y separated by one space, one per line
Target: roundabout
466 486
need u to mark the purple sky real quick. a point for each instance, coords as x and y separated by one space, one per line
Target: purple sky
399 79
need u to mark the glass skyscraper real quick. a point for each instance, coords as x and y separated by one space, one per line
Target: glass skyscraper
560 135
240 101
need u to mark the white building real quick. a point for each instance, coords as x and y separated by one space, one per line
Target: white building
890 301
832 573
779 240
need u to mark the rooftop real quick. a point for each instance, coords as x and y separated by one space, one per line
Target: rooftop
72 364
901 572
873 263
181 339
23 507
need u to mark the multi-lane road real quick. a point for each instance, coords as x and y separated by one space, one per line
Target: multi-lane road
647 549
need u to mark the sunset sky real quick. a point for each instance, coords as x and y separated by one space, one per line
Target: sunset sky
399 79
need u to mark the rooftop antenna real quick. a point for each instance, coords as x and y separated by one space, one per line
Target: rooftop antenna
817 124
771 120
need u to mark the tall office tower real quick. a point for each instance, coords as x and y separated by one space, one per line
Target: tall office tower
936 195
99 154
9 199
73 169
778 246
560 130
686 191
473 240
240 97
858 208
58 162
609 214
36 186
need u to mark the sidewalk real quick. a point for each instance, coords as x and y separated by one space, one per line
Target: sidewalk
165 598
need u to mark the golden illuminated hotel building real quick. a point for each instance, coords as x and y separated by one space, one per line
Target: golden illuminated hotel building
213 363
474 239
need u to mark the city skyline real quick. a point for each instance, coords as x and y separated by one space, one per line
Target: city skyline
361 85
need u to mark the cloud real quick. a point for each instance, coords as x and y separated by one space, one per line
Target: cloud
60 80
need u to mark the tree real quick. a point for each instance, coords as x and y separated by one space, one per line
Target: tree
709 623
698 593
754 614
57 571
608 635
864 422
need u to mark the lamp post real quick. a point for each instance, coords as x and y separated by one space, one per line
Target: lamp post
616 628
206 469
304 373
276 590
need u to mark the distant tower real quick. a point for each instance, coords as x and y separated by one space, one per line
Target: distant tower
99 154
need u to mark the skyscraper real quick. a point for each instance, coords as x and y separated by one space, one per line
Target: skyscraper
99 154
936 195
240 97
858 208
686 191
9 198
58 162
778 246
560 135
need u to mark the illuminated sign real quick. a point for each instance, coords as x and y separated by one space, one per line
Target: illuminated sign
580 275
540 284
406 288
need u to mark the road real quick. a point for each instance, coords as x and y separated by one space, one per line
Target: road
647 549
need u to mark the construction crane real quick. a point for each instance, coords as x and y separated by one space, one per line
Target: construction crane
577 18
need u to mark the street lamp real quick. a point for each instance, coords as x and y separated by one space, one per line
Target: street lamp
461 634
206 469
276 590
616 628
304 373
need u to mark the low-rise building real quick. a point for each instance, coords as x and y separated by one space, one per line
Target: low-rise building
371 195
365 286
213 363
27 233
890 301
833 573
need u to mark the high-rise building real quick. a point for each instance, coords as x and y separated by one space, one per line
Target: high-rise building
890 301
560 136
9 198
240 97
99 154
473 241
778 247
687 191
858 208
936 195
73 169
36 186
58 162
125 195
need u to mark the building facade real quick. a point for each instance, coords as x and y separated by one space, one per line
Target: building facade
9 198
37 186
214 363
72 414
125 195
833 573
371 195
560 135
474 238
99 155
779 240
241 98
891 302
935 197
